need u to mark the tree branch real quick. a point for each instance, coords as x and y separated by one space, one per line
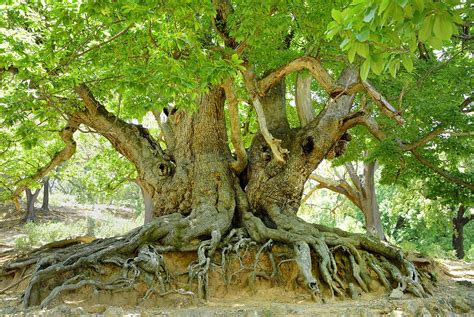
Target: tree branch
306 62
354 177
60 157
441 171
275 144
341 187
236 138
375 130
304 105
427 138
327 83
128 139
382 103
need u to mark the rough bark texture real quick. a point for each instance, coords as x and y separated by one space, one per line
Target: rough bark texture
30 204
459 221
46 188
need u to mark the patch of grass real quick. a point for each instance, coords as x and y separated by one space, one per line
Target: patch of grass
37 234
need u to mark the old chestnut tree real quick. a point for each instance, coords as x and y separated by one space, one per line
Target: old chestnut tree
205 70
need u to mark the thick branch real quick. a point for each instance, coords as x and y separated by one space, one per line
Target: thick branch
306 62
327 83
304 105
166 129
128 139
354 177
274 143
60 157
239 165
341 187
223 10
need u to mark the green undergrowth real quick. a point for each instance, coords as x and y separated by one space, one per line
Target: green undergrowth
37 234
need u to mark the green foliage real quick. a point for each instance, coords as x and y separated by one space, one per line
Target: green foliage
387 34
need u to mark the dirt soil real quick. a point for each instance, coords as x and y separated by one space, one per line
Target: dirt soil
453 294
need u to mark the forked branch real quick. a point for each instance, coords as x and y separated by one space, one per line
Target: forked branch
236 138
275 144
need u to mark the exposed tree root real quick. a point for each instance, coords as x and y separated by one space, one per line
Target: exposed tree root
331 262
385 260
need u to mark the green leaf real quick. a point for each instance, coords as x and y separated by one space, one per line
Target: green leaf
337 15
436 43
364 69
363 50
407 63
419 4
402 3
377 65
393 66
363 35
426 28
351 54
442 27
383 5
344 44
370 16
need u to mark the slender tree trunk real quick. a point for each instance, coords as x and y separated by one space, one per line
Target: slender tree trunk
459 221
370 207
30 204
46 187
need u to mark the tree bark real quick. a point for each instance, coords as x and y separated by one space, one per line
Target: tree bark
370 207
30 204
459 221
46 187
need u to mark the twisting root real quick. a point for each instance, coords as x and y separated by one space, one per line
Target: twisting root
201 269
289 230
303 259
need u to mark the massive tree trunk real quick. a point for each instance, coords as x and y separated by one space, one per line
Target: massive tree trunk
201 202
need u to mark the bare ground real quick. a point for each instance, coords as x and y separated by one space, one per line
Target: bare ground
453 294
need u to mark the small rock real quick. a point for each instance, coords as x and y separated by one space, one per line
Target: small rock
396 294
424 312
97 309
113 311
396 313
